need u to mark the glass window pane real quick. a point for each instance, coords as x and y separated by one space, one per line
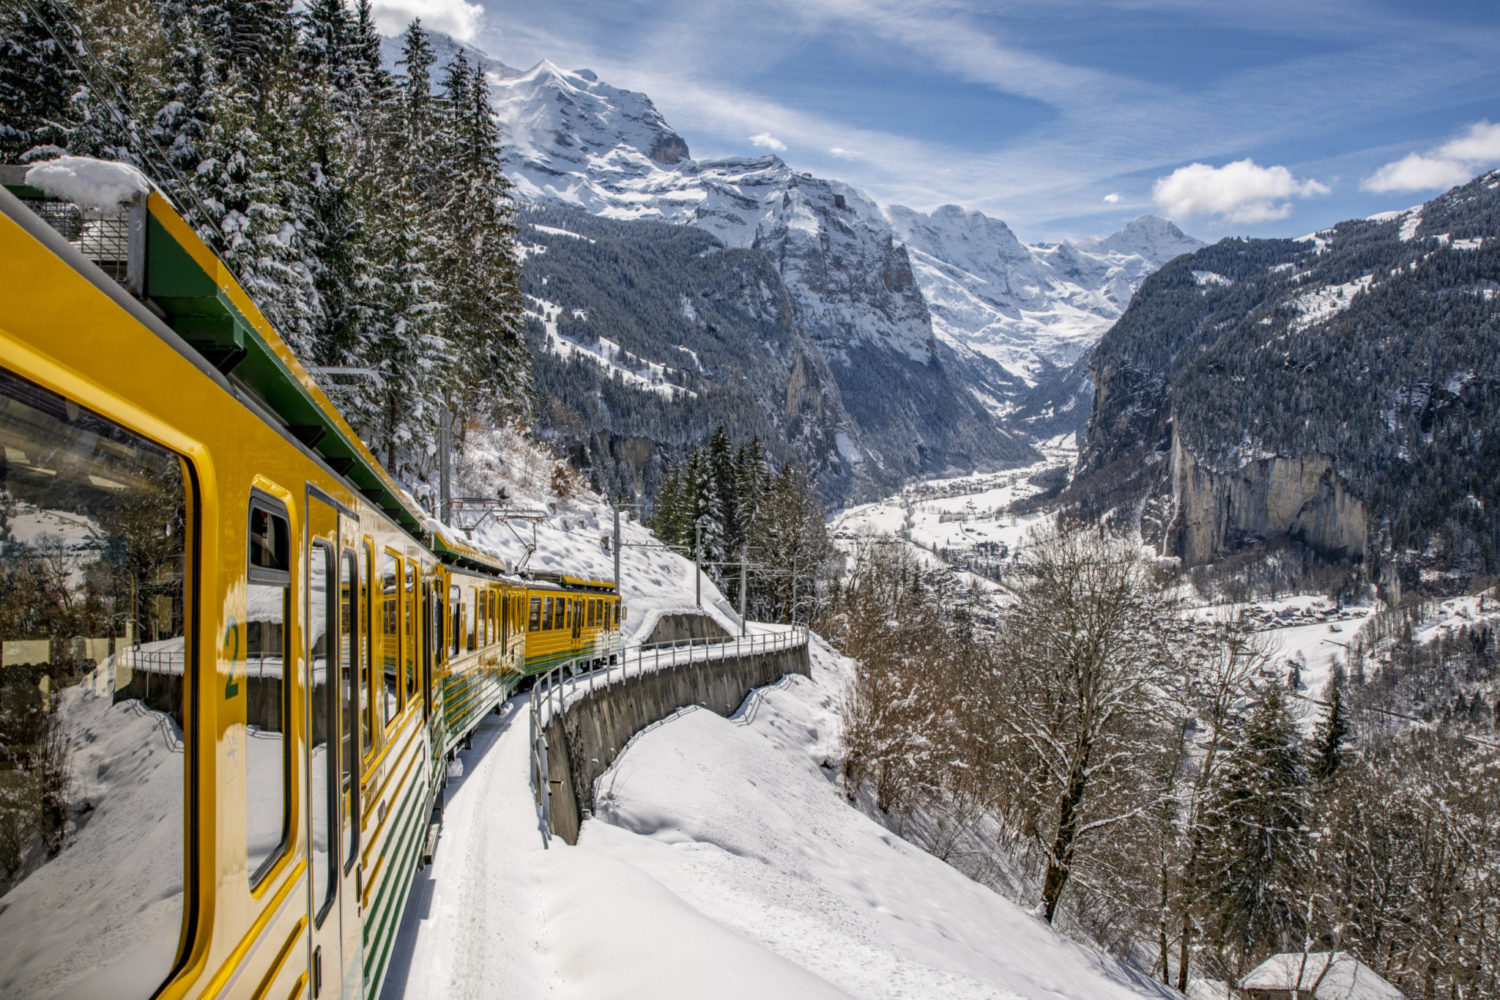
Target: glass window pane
266 751
390 628
456 612
348 630
534 620
410 648
93 544
367 656
322 760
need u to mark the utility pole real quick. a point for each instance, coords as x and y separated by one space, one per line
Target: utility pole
616 507
697 573
743 551
445 445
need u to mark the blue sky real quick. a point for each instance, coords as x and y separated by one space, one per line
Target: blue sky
1062 117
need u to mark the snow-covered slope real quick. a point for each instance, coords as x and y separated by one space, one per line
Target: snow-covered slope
724 861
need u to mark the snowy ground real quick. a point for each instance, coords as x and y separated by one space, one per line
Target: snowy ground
957 514
724 863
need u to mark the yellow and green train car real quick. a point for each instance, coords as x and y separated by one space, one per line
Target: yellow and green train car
232 654
570 619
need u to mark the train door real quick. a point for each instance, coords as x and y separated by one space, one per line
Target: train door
575 607
329 762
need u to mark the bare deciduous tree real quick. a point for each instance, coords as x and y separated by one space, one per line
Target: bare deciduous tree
1083 652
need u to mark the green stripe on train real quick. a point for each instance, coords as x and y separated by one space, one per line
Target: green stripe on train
384 916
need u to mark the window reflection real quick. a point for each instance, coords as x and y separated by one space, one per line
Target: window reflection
93 543
390 627
262 684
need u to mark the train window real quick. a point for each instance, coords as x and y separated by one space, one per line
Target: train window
413 615
473 623
479 636
534 621
560 613
456 612
322 726
349 702
267 752
505 623
95 544
547 613
367 718
390 630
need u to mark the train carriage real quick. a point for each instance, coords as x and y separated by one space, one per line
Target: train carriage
233 653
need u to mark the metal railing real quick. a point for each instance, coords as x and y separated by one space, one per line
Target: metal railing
573 680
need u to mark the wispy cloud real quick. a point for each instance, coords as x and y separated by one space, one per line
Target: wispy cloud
702 60
1113 198
452 17
1241 191
766 140
1450 164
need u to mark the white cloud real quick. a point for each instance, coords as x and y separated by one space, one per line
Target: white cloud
452 17
1452 163
768 141
1242 191
1112 198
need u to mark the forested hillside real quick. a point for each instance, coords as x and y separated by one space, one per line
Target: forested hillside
364 211
1362 355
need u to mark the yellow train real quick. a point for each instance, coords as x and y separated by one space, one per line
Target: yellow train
233 655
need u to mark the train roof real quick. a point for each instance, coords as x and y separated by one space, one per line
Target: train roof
160 260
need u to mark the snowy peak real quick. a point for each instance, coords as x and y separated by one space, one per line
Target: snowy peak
1027 307
1150 237
560 123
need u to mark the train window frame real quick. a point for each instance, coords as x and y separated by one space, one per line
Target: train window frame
373 728
534 618
267 573
471 629
115 424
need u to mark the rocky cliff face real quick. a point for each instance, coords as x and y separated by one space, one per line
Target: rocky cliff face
1302 498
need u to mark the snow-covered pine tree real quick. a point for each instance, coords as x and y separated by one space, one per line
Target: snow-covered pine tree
1333 731
332 102
1255 844
41 47
399 330
178 130
705 525
721 468
480 278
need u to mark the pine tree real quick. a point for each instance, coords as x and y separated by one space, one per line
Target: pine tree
41 47
1333 730
480 281
1255 842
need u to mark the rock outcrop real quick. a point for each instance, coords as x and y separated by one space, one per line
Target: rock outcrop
1302 498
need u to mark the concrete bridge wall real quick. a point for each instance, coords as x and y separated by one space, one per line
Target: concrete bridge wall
586 739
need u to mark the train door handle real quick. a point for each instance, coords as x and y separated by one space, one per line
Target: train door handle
317 972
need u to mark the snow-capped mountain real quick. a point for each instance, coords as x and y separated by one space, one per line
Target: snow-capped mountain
1028 307
573 139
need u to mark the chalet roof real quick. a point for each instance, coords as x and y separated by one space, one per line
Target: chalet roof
1337 975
